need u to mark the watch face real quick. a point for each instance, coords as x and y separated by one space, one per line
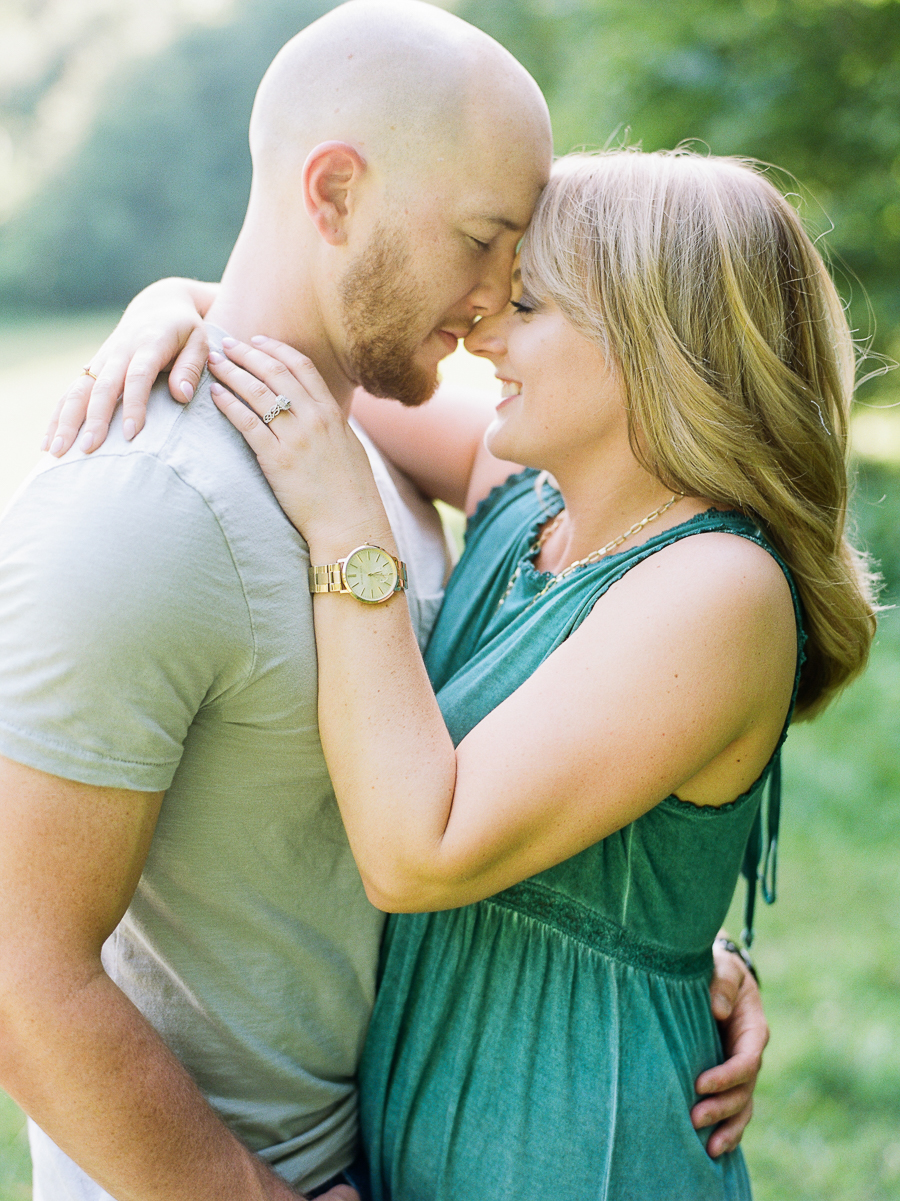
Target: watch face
370 574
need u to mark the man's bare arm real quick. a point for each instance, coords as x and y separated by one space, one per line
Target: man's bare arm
727 1089
75 1053
439 445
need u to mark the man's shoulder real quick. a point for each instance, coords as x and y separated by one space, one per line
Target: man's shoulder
187 465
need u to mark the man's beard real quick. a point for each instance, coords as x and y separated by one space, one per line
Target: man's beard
382 321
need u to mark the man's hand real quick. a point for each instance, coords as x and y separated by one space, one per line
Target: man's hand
737 1006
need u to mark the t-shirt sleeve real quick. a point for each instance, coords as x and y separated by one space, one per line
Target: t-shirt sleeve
121 617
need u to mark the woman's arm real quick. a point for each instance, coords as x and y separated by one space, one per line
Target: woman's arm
440 445
690 701
161 328
378 690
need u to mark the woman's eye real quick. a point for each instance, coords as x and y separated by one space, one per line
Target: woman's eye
480 245
520 307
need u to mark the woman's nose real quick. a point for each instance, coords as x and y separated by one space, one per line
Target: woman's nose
487 337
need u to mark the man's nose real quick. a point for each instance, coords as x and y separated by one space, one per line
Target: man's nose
491 293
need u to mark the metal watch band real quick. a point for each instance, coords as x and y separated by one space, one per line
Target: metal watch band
328 577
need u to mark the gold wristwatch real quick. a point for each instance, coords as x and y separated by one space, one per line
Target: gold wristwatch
369 573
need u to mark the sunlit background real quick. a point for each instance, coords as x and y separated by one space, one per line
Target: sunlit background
123 157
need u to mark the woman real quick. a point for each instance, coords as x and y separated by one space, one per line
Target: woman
612 688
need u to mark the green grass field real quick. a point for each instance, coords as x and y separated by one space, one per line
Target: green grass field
827 1125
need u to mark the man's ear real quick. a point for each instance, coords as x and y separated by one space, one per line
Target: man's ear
331 172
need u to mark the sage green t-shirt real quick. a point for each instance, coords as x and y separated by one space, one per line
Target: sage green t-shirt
156 633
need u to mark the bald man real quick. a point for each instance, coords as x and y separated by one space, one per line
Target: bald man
188 956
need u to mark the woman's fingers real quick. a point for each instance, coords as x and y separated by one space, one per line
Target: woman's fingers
188 366
48 442
259 378
126 366
301 368
252 390
89 402
244 420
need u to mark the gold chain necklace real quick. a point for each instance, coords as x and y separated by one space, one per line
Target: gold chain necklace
594 557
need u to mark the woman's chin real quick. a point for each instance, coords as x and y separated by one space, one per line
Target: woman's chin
497 442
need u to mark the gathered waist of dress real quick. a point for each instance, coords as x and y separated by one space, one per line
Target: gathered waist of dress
579 922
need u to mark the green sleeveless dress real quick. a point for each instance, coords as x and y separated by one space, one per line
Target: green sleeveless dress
544 1042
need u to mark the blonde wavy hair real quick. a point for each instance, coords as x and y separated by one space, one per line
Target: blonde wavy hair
697 278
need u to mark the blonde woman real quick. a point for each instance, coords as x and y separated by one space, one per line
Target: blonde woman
636 619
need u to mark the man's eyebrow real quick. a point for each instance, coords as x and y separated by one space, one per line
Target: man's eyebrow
515 226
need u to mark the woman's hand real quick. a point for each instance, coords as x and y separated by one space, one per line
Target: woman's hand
162 327
314 462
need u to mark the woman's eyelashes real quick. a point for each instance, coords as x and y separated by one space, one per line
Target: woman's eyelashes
521 306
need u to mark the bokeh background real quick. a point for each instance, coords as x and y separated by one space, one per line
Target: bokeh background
123 157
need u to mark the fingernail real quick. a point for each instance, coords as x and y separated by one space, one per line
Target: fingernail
229 342
129 429
187 389
258 339
45 441
215 357
56 445
85 442
216 389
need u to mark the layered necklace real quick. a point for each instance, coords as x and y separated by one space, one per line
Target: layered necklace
594 557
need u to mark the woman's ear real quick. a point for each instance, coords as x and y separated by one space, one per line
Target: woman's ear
331 171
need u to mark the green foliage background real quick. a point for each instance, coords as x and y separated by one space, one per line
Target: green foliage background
810 85
159 187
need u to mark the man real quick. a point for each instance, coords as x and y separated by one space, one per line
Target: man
187 955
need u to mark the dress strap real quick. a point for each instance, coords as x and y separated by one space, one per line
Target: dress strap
761 856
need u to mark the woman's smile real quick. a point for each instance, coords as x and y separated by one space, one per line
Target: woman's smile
508 391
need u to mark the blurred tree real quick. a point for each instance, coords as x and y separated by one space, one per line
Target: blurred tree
161 185
811 85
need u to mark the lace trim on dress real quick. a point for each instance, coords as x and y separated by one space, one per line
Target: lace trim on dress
569 917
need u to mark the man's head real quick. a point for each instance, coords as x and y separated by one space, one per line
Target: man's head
397 153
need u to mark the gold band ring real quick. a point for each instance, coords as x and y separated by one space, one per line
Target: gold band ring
87 371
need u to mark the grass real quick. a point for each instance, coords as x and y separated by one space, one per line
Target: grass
827 1125
15 1164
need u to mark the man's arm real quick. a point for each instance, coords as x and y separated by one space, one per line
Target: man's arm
74 1052
439 445
727 1089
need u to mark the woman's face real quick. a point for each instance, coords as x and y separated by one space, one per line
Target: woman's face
563 401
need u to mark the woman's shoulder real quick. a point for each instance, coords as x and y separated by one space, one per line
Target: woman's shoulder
721 556
715 580
520 495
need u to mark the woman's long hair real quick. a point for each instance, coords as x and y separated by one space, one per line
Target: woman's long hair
697 277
